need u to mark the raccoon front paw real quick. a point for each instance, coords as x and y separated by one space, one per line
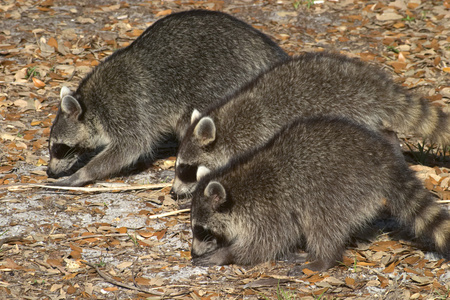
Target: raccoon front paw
73 180
219 257
203 261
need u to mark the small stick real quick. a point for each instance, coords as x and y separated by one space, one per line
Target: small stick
118 283
170 213
97 236
22 187
443 201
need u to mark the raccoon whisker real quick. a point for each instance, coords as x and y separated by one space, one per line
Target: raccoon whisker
69 153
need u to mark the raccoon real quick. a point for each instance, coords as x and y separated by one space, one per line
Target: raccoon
139 94
318 83
314 184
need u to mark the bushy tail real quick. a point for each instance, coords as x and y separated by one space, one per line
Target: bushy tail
421 118
429 222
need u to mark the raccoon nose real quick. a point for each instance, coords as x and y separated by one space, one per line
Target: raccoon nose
50 174
173 194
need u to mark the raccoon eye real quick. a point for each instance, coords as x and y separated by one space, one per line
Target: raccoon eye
187 173
202 234
60 151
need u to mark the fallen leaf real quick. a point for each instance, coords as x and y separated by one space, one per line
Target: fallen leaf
388 16
124 264
164 13
142 281
83 20
71 290
349 281
38 83
159 234
52 42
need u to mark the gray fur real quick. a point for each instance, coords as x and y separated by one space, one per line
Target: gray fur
148 90
311 84
314 184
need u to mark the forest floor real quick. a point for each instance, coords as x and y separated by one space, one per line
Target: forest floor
110 241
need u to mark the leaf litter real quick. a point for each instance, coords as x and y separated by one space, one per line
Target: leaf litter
119 240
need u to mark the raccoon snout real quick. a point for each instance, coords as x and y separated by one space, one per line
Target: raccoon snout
194 255
51 174
172 194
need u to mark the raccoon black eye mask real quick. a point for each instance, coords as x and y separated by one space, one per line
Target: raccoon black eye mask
187 173
80 156
140 93
60 151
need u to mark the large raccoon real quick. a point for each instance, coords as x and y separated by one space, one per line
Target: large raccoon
314 184
123 108
311 84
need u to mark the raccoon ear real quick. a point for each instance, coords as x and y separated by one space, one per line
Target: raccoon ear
216 193
70 106
202 171
205 131
64 92
195 116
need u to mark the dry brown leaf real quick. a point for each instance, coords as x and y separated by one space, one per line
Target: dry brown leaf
383 280
349 281
10 264
124 265
75 254
21 75
53 43
145 234
422 280
71 290
54 262
38 83
5 169
83 20
142 281
389 15
160 234
391 267
164 13
122 230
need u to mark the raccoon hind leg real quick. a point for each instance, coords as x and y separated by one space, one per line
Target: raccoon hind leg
325 249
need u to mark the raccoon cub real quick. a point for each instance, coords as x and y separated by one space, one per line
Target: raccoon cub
315 183
127 104
311 84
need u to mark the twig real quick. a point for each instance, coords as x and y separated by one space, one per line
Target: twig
14 83
22 187
118 283
7 240
170 213
443 201
97 236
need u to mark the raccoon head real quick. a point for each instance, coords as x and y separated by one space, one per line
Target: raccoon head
209 219
194 159
71 138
